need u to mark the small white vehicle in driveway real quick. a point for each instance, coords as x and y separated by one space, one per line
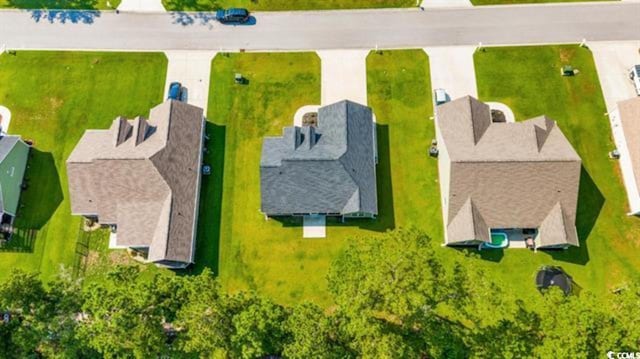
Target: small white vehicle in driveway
440 96
634 74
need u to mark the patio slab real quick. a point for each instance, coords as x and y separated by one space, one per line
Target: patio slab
314 226
344 75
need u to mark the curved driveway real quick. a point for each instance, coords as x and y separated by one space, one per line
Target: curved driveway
491 25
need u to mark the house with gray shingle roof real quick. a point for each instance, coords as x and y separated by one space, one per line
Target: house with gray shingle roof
142 178
518 178
14 154
328 169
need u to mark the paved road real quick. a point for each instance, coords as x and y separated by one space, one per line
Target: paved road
529 24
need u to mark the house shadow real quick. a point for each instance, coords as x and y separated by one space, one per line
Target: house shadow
210 212
384 183
590 203
386 215
38 201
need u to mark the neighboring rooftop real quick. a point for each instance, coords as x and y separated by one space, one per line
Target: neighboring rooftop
629 113
507 175
143 176
328 169
14 154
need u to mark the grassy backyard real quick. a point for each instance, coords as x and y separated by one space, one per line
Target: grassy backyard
54 97
528 80
271 256
276 5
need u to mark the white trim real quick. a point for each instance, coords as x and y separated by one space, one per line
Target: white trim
194 230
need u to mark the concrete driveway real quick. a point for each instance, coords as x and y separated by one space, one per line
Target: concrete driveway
452 70
192 69
344 76
613 61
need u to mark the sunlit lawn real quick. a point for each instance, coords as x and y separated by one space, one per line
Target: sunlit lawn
271 256
54 97
528 80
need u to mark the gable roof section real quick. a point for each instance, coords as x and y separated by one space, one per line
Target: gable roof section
467 225
328 169
557 229
143 176
514 176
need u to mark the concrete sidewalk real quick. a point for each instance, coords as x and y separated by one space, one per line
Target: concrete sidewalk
613 61
314 226
141 6
192 69
452 69
344 76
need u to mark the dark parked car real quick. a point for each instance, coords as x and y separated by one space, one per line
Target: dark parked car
175 91
232 16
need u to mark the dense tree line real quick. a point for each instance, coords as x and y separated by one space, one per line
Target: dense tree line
394 298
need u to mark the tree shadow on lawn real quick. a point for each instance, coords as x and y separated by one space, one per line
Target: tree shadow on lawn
590 203
208 237
63 11
38 202
386 216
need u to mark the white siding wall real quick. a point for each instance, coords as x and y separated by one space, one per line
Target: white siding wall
444 175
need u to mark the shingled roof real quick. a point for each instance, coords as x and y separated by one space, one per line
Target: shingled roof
144 177
326 169
507 175
629 113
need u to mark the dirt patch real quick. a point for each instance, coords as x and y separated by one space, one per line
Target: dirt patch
310 119
55 103
566 55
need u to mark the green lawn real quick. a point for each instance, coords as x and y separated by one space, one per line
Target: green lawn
271 256
54 97
59 4
275 5
528 80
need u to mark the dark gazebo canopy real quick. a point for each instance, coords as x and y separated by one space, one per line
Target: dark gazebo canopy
549 276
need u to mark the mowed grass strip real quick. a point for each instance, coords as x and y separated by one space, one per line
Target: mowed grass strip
275 5
54 97
528 80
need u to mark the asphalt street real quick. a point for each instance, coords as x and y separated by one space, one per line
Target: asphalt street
358 29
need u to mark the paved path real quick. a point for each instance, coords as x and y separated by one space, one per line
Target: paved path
430 4
452 69
301 30
613 61
344 76
5 119
193 70
141 6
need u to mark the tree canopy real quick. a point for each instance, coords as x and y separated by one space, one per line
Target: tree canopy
394 296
